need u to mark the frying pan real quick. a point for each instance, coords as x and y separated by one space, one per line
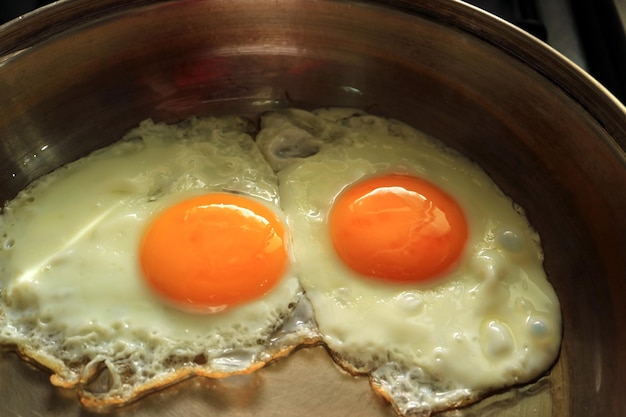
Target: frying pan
75 75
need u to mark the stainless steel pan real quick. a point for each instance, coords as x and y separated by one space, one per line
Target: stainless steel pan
76 75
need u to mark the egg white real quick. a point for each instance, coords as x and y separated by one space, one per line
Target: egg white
72 293
71 296
491 322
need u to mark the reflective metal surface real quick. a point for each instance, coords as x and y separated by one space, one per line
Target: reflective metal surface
76 75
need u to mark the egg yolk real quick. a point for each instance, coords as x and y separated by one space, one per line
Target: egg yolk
214 251
398 228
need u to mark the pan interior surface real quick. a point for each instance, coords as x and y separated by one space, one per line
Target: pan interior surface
78 74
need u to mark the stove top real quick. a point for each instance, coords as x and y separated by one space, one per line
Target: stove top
601 28
591 33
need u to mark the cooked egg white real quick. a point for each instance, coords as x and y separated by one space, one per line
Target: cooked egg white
490 321
73 297
72 292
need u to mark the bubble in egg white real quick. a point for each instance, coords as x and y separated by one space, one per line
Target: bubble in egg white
496 339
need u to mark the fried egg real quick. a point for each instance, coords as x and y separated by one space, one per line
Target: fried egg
161 256
191 249
422 274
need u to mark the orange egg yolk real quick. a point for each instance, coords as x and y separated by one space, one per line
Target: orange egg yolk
214 251
397 228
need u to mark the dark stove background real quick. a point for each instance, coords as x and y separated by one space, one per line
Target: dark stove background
589 32
523 13
10 9
603 37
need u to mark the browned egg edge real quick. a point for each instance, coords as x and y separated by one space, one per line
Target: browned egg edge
93 402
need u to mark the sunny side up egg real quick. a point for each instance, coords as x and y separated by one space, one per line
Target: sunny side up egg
104 263
420 271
